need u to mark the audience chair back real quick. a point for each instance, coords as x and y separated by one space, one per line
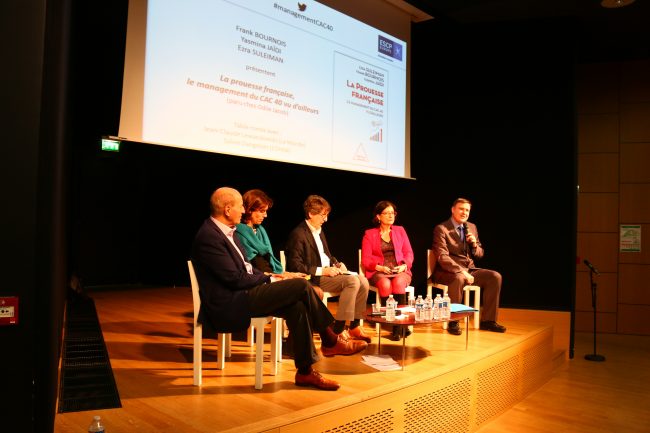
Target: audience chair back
224 340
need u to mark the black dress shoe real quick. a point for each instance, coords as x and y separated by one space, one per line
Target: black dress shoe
396 335
491 325
454 328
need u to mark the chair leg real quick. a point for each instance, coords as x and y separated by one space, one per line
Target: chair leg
222 343
477 302
250 336
198 352
274 345
259 322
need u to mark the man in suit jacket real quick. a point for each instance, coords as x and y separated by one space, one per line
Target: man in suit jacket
232 292
307 252
456 245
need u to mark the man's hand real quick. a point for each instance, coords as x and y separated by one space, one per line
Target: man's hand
330 271
469 277
469 237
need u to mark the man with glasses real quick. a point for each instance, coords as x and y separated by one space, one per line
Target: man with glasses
307 252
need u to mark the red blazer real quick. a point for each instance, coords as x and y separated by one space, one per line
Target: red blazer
371 255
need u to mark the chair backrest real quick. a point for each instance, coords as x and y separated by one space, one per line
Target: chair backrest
362 271
431 264
195 291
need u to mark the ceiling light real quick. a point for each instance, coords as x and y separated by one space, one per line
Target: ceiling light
615 3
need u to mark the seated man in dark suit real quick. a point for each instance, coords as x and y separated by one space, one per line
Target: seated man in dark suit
307 252
456 245
232 292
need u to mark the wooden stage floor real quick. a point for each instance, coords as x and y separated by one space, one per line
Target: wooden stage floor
148 333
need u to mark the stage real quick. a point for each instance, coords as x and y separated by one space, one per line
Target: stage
443 387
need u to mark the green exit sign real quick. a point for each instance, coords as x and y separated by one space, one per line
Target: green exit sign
110 145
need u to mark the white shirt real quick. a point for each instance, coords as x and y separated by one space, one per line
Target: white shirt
230 233
324 259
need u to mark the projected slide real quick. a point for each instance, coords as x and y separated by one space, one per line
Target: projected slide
285 80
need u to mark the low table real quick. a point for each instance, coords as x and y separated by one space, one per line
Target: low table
408 319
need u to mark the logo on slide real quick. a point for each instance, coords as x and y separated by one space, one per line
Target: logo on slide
390 48
302 7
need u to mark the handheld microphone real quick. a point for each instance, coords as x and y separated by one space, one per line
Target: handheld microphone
466 231
334 262
591 267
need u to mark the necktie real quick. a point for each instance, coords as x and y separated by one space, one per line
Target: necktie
462 237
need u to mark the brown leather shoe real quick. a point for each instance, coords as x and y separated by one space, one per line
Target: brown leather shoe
344 346
358 334
317 381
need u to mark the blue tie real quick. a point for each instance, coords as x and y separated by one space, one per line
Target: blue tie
462 238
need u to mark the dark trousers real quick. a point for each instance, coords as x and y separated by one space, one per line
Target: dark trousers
295 301
489 281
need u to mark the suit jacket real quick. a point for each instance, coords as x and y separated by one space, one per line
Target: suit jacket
223 280
371 254
448 249
302 253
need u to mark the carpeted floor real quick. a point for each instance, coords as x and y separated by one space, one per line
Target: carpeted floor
87 381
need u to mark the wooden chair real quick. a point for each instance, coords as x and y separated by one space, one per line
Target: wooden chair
431 266
224 339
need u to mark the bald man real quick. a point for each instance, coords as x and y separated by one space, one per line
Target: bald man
232 292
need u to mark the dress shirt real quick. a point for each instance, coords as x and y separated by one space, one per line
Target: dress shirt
324 259
230 234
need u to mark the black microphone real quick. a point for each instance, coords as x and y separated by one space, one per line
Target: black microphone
466 231
334 262
591 267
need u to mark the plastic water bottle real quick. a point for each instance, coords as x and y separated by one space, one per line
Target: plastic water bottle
411 300
428 309
436 307
446 304
96 426
391 304
419 305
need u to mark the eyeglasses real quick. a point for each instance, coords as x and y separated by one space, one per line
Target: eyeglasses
324 216
388 213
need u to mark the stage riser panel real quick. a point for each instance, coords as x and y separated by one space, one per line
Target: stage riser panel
459 400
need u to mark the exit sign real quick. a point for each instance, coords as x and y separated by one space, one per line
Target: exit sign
110 145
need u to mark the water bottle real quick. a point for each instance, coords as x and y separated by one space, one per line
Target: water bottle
419 305
411 300
390 308
96 426
446 304
428 309
436 307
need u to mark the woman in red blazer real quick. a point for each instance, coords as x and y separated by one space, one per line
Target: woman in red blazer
386 254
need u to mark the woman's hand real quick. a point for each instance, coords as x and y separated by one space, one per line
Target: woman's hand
383 269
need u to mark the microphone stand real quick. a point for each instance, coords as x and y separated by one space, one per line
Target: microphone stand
594 356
